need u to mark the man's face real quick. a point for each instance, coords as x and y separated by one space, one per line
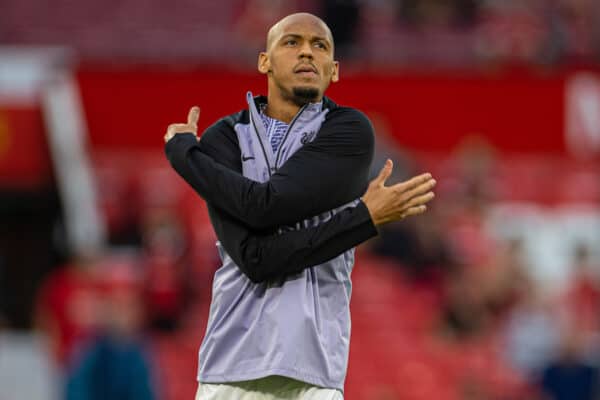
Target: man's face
299 59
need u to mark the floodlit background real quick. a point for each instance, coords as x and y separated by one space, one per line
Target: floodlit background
107 257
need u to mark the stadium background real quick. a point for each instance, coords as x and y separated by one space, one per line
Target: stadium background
482 298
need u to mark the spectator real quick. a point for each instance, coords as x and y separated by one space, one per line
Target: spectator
568 377
418 246
508 278
163 262
343 17
464 313
67 306
116 364
532 333
424 13
576 29
583 294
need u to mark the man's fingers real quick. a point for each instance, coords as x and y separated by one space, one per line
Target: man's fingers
392 203
415 211
181 128
174 129
385 172
420 200
408 194
193 116
414 182
190 127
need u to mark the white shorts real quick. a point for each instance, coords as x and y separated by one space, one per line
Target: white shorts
269 388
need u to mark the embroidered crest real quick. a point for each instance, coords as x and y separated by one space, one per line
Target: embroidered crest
307 136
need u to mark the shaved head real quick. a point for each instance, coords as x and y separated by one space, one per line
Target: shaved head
299 64
276 30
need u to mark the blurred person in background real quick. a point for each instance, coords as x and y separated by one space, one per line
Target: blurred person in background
164 264
343 17
507 277
469 195
67 306
419 247
581 300
279 321
464 314
569 376
426 13
531 331
575 29
115 364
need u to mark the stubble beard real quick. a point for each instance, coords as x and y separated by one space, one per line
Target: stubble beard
303 95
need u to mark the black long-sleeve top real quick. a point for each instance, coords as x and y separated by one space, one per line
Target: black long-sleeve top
326 173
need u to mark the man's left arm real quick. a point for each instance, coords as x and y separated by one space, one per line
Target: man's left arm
263 256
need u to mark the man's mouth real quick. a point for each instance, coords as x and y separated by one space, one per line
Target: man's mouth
306 70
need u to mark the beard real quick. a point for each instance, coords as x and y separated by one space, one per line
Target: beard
304 95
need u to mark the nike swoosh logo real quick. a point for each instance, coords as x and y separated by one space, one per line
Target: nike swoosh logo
244 158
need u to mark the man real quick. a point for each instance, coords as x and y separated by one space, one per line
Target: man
283 182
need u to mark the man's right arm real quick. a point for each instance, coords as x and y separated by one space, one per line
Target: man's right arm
323 174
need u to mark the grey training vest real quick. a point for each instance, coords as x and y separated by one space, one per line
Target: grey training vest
298 327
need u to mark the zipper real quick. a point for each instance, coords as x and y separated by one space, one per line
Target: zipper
286 134
261 143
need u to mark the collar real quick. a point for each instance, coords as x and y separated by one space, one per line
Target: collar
326 102
314 107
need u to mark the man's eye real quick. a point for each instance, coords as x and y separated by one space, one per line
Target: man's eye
291 42
320 45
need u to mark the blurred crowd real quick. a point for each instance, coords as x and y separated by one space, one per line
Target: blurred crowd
469 32
446 33
546 336
368 32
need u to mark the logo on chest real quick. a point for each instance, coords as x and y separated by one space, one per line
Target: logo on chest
307 137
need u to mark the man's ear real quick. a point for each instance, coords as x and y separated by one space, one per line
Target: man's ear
264 66
335 74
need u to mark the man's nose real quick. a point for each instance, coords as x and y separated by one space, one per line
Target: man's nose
306 50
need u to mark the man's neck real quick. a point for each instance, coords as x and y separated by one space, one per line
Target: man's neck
280 108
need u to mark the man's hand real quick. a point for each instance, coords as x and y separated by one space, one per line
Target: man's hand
190 127
393 203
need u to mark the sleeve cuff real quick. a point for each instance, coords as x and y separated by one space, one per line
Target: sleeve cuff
181 142
365 216
178 146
